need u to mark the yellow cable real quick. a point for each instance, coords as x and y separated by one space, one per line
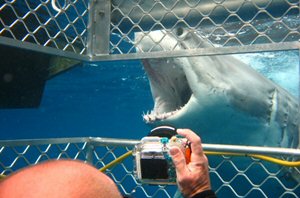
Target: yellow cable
277 161
116 161
2 176
262 157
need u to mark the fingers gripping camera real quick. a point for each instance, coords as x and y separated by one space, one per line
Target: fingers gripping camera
153 163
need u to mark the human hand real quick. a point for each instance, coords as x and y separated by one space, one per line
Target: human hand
192 178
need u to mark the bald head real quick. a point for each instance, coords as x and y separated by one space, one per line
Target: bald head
62 178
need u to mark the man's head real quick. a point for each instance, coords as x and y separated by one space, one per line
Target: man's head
62 178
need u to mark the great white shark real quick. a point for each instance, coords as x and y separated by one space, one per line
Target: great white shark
221 98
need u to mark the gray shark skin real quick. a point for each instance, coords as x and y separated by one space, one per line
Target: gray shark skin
221 98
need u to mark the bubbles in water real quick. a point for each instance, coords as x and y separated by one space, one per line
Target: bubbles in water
281 67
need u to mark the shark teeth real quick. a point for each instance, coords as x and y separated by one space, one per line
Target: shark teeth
153 116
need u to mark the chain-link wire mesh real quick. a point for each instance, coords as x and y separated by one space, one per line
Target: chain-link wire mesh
37 21
222 23
83 25
230 176
219 23
15 156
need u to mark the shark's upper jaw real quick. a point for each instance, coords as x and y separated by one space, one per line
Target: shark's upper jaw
170 89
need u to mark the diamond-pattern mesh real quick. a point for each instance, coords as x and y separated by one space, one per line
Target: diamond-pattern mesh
13 157
230 176
36 21
222 23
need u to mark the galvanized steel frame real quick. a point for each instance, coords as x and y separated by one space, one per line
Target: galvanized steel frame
103 18
23 23
100 151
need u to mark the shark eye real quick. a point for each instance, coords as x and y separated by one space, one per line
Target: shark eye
179 31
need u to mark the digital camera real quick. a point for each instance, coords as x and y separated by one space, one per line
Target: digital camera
153 163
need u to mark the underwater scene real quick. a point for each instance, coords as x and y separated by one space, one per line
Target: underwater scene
245 99
104 99
110 98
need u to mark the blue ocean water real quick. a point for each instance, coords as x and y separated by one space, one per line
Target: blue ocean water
100 100
107 99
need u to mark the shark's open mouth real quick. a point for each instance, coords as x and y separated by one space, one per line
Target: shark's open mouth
170 89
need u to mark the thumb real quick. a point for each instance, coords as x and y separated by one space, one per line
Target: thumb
178 160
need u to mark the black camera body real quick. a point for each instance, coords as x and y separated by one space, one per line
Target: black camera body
152 161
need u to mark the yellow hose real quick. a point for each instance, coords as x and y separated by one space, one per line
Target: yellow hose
262 157
2 177
109 165
116 161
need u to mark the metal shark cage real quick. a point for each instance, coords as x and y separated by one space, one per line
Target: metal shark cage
232 176
98 30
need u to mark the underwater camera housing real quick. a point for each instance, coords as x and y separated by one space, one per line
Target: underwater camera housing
153 163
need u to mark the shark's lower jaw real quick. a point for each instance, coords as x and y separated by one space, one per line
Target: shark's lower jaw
166 107
154 117
170 89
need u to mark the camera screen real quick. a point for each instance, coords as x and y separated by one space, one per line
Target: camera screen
154 169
